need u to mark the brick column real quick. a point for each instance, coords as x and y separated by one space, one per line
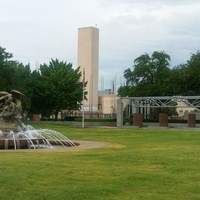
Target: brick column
35 117
163 120
138 119
191 120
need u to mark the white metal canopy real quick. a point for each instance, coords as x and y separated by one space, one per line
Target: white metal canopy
164 101
145 103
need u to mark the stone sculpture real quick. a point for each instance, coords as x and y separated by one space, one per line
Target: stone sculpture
10 109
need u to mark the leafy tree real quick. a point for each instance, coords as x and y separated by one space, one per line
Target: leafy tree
192 75
126 91
21 77
58 88
149 76
35 93
177 81
4 56
13 75
5 69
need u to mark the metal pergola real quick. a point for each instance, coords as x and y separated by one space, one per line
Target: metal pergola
160 102
155 102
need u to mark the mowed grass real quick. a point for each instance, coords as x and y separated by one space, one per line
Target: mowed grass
136 164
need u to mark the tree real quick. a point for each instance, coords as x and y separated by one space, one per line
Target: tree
149 76
192 75
58 88
5 69
35 93
177 81
13 75
4 56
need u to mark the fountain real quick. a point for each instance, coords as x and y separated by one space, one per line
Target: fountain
16 135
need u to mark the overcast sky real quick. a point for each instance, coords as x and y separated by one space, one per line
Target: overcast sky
37 30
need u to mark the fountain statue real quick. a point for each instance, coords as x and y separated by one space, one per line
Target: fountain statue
10 110
14 134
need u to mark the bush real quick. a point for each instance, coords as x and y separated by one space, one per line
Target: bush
71 118
181 121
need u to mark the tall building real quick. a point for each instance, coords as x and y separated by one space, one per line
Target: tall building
88 61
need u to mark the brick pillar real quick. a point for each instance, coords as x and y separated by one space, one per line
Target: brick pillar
138 119
163 120
35 117
191 120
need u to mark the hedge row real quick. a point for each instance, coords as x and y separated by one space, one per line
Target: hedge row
96 120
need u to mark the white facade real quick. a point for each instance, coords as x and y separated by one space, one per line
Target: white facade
108 106
183 110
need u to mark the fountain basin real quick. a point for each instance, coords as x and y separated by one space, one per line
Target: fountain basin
30 138
34 144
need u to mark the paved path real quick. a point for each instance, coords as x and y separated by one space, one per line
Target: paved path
87 144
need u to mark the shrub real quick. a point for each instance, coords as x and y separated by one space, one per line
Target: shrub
96 119
71 118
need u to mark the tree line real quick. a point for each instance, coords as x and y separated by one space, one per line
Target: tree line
151 75
57 86
53 87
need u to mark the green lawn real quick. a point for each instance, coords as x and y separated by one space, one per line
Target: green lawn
140 164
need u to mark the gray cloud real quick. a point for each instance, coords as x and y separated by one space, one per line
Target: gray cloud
37 30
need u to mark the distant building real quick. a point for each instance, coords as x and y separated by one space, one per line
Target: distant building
88 61
106 91
183 110
108 105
